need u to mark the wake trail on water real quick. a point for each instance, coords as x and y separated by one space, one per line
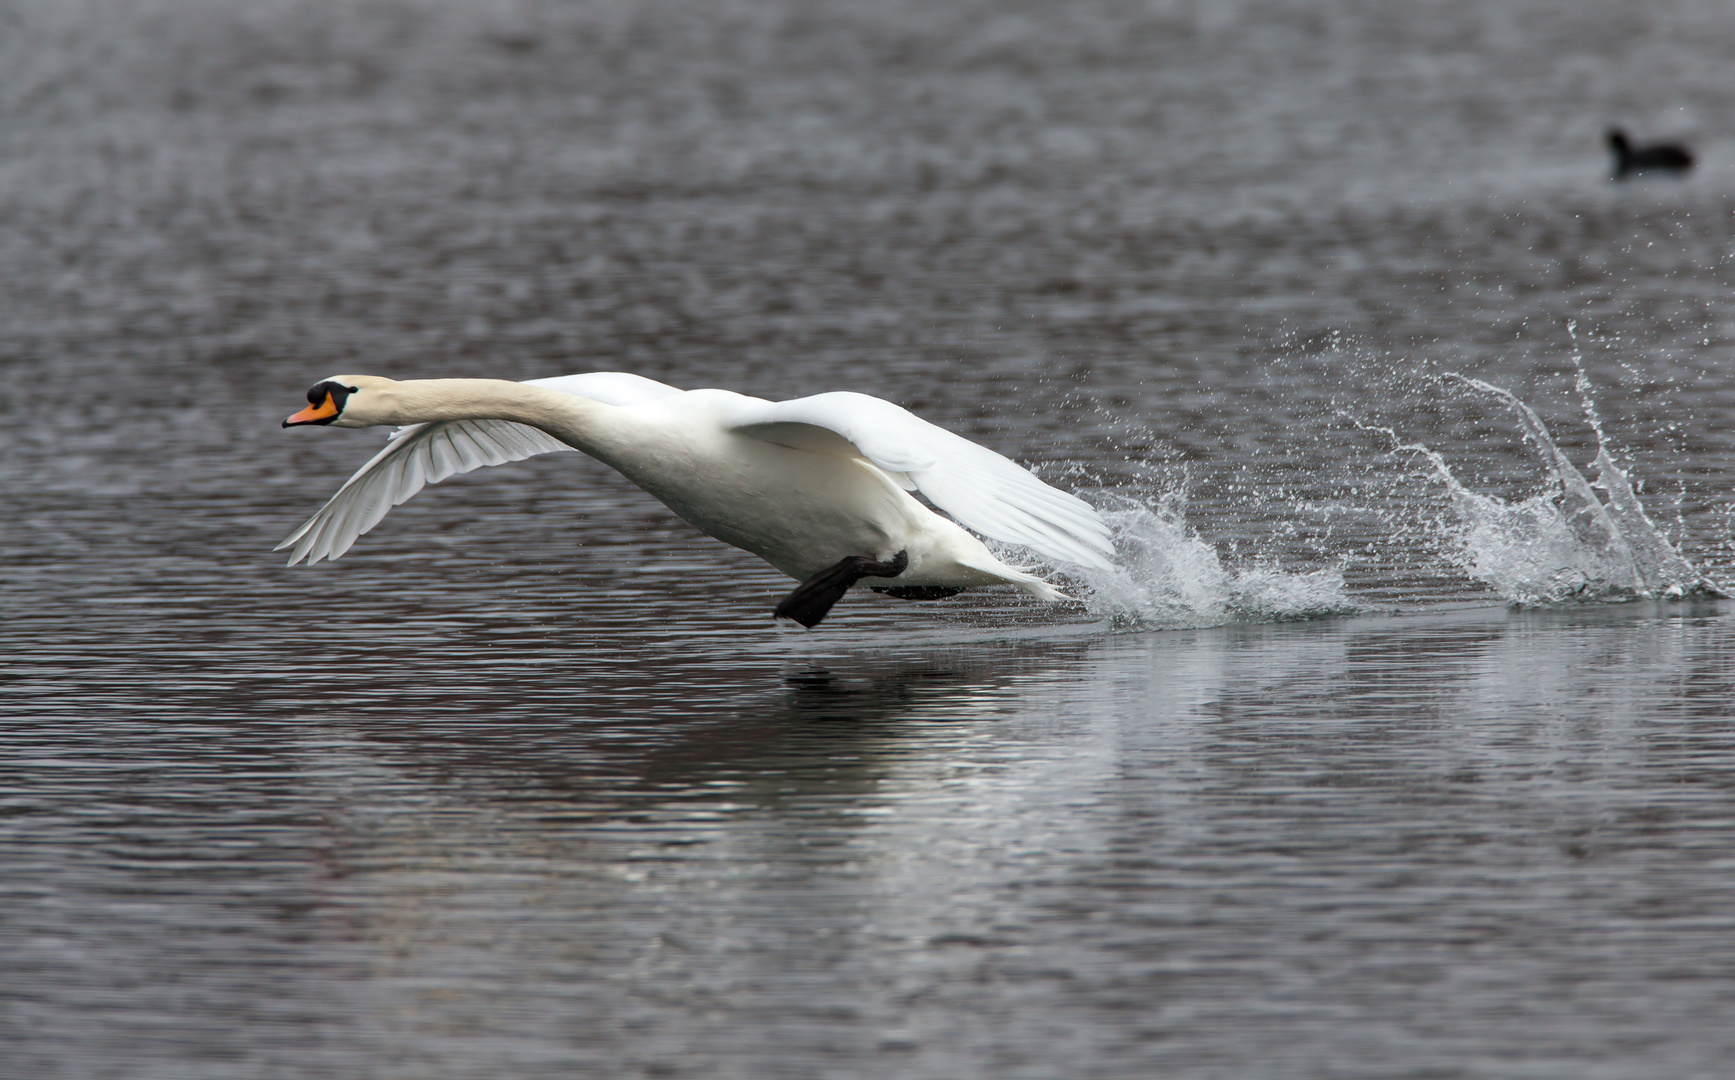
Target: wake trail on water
1576 540
1564 544
1166 577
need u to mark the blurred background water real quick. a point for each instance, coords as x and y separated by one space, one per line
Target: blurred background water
1364 763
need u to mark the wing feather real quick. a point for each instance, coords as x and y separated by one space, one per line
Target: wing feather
423 454
983 490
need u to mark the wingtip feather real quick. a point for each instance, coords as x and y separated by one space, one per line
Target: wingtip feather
415 455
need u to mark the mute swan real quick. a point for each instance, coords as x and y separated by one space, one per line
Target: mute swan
819 487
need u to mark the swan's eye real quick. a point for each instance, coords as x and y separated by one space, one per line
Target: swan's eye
324 404
338 393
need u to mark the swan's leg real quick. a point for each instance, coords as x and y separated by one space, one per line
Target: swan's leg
811 599
918 592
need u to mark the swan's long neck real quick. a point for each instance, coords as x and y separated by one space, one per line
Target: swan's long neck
581 423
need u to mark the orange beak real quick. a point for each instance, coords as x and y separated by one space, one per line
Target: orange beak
313 414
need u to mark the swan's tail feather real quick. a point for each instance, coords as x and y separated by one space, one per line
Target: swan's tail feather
1039 588
1012 575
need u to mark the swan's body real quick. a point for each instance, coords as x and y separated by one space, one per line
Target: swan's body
803 484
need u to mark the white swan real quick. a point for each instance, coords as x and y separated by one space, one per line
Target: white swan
818 487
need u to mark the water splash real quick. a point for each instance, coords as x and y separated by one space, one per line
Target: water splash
1564 544
1166 577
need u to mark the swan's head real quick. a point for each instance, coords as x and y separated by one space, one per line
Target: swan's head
346 401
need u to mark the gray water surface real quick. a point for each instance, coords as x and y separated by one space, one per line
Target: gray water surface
528 784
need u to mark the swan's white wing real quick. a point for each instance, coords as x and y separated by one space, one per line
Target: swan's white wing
983 490
422 454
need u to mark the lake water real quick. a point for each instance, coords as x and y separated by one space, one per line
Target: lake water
1399 743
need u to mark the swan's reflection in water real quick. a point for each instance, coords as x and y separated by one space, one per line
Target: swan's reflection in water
996 851
674 879
460 850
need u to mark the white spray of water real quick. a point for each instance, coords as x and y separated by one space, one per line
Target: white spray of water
1166 577
1563 544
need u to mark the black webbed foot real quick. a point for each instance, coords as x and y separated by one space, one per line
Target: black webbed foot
918 592
813 598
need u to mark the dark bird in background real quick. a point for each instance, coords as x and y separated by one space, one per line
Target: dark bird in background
1653 157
